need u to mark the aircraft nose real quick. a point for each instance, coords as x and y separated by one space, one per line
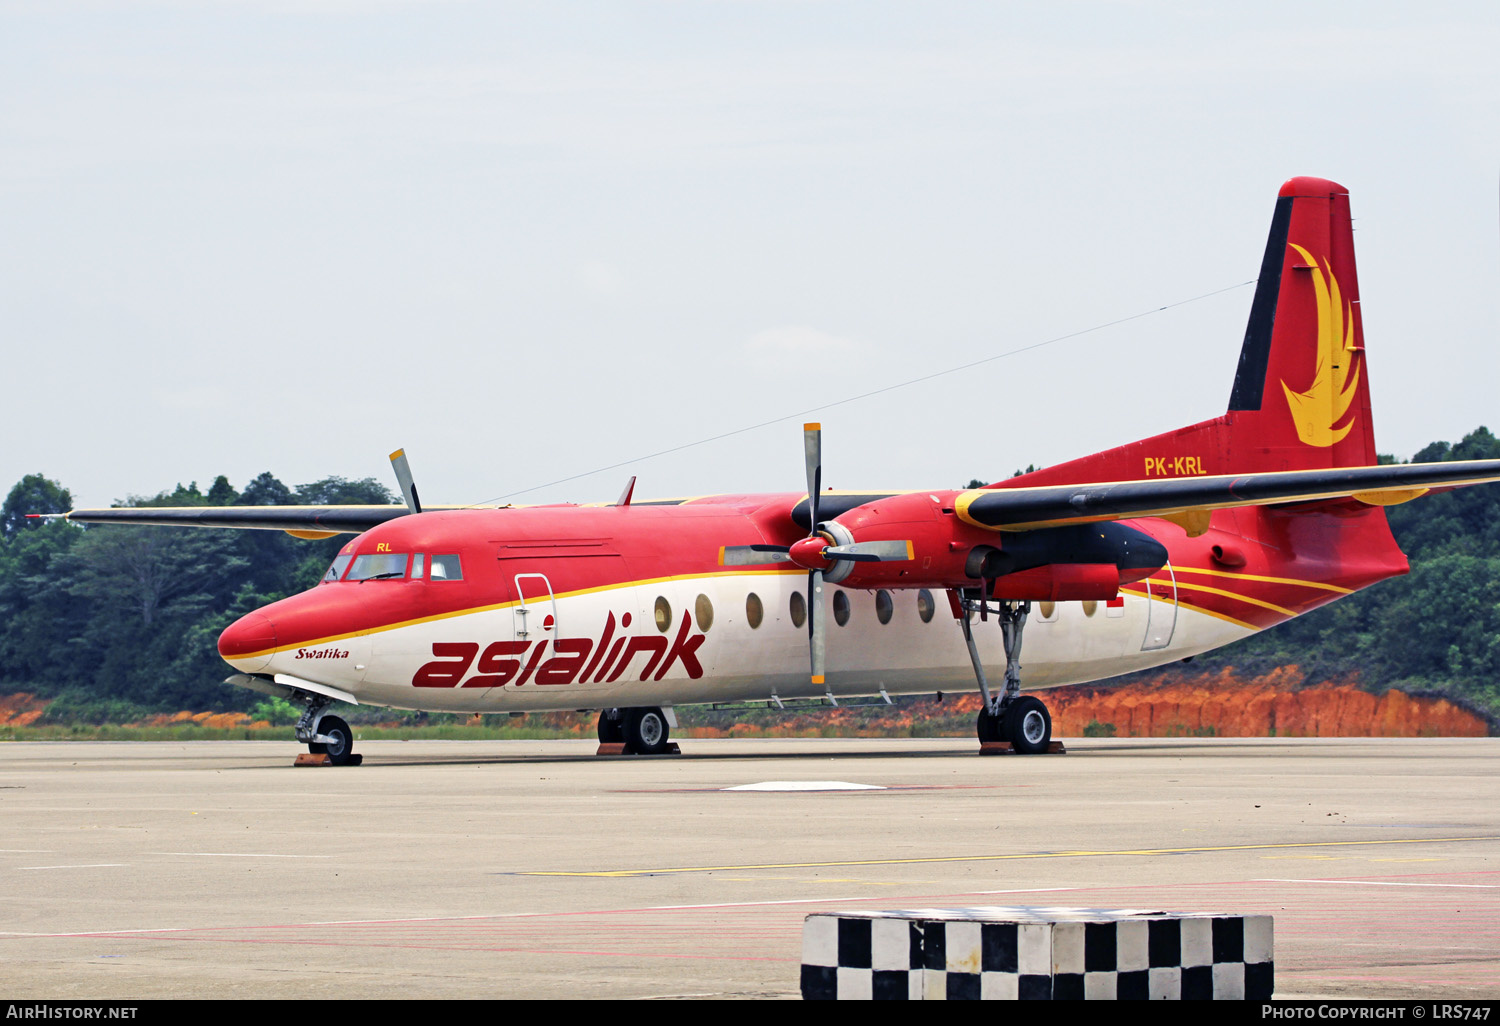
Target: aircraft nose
247 644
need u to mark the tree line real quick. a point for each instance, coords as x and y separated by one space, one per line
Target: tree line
113 620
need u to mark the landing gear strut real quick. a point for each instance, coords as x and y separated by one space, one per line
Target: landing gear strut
326 735
1008 716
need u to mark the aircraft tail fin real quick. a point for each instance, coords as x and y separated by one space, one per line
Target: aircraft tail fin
1301 395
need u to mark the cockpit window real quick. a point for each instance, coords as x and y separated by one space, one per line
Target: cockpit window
446 568
337 569
377 566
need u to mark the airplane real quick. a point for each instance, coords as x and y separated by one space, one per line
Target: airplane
1126 559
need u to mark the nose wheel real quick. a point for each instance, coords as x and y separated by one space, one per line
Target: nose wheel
340 744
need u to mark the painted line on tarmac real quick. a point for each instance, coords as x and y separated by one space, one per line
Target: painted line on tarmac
938 859
90 865
1379 883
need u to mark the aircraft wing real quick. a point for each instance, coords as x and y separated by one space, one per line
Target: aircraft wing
315 520
1025 509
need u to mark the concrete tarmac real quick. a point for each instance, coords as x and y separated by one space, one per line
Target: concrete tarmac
533 869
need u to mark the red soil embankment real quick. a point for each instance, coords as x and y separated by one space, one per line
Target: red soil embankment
21 709
1227 705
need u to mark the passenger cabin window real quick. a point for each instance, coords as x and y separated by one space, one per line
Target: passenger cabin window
841 607
446 568
337 569
378 566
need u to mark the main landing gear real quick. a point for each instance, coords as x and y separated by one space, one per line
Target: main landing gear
643 731
326 735
1021 720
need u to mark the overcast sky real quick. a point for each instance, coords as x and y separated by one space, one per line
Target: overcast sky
527 240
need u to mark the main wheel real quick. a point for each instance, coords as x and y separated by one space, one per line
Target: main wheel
990 726
340 743
1028 726
646 731
611 728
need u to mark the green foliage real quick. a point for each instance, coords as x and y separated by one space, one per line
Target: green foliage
1093 728
276 711
123 621
32 494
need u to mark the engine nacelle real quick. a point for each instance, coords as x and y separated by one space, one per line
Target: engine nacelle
1077 561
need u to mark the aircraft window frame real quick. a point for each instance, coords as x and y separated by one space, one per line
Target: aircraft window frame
378 566
703 613
663 611
926 605
451 563
755 610
841 608
336 568
797 608
885 606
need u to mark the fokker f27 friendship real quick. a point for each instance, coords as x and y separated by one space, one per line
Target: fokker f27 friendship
1126 559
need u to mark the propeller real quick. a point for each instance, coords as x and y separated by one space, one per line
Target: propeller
812 448
403 475
815 552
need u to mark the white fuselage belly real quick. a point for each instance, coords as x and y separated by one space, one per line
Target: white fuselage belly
741 663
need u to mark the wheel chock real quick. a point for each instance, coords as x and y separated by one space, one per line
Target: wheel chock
618 748
1004 748
322 759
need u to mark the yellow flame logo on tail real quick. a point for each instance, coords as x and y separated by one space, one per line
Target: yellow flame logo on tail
1336 379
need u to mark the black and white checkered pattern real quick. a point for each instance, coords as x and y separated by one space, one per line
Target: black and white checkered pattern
1047 953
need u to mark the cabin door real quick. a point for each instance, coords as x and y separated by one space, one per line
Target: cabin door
535 611
1161 610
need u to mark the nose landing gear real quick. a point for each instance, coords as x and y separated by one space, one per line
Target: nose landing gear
328 738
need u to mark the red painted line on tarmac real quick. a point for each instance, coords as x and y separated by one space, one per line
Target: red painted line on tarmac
448 947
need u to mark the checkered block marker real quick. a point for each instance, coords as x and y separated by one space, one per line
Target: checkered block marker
1036 953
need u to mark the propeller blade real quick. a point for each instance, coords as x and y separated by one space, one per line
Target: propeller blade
812 447
624 499
403 475
815 631
871 552
752 555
